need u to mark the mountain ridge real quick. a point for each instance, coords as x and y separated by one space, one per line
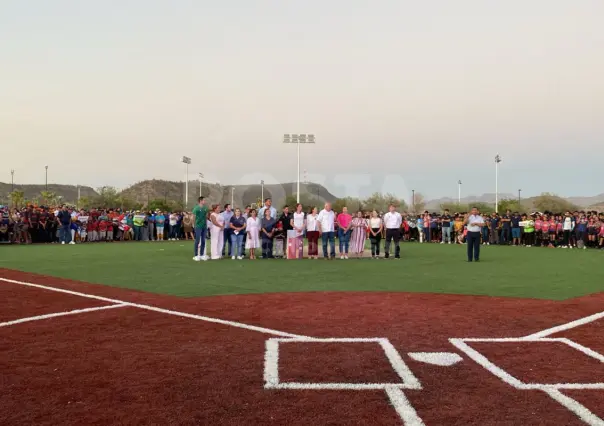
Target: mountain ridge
151 189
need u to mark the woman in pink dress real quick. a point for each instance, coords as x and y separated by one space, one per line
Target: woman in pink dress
359 233
253 233
216 232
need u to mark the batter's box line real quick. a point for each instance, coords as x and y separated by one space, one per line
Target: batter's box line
553 390
271 366
513 381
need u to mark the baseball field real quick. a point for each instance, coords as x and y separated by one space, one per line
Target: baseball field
138 333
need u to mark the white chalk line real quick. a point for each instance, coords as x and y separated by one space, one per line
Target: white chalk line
567 326
155 309
271 366
513 381
553 390
575 407
61 314
403 407
394 392
271 372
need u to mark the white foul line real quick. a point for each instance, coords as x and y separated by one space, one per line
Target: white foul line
580 410
567 326
163 311
61 314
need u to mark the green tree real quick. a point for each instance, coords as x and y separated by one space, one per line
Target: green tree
108 198
380 202
509 204
49 197
17 199
160 204
487 208
305 199
84 203
353 204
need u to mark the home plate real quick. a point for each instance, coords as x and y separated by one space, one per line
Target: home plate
444 359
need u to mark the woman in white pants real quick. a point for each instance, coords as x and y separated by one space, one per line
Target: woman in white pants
216 232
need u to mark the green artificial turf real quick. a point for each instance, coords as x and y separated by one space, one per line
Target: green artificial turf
168 268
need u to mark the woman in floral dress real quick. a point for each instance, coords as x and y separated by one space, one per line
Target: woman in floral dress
253 233
359 233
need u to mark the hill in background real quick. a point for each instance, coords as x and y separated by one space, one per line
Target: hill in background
528 203
69 193
146 191
172 192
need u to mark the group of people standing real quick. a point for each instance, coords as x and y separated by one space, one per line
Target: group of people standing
263 232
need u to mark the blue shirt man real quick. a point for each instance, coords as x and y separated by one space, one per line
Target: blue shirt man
227 214
268 204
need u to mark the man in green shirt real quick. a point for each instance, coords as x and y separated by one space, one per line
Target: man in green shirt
200 211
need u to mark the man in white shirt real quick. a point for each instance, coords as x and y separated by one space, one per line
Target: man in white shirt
326 221
474 222
568 225
392 223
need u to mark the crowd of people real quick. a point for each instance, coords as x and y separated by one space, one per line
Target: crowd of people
68 225
252 233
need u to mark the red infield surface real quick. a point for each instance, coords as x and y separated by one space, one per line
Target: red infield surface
296 359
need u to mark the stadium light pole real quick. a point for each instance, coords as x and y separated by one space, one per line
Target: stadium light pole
232 197
262 190
46 179
12 180
459 192
187 161
200 178
519 191
413 199
497 161
298 139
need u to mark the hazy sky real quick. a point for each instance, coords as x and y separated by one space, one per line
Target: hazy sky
400 94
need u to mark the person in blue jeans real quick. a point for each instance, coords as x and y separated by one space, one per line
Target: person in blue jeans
237 225
326 221
64 218
329 237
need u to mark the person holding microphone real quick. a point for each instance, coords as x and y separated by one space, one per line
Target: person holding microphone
474 222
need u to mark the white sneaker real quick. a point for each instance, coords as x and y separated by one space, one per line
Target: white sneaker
71 242
442 242
570 247
449 242
341 257
345 257
204 257
233 257
63 242
239 257
196 258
